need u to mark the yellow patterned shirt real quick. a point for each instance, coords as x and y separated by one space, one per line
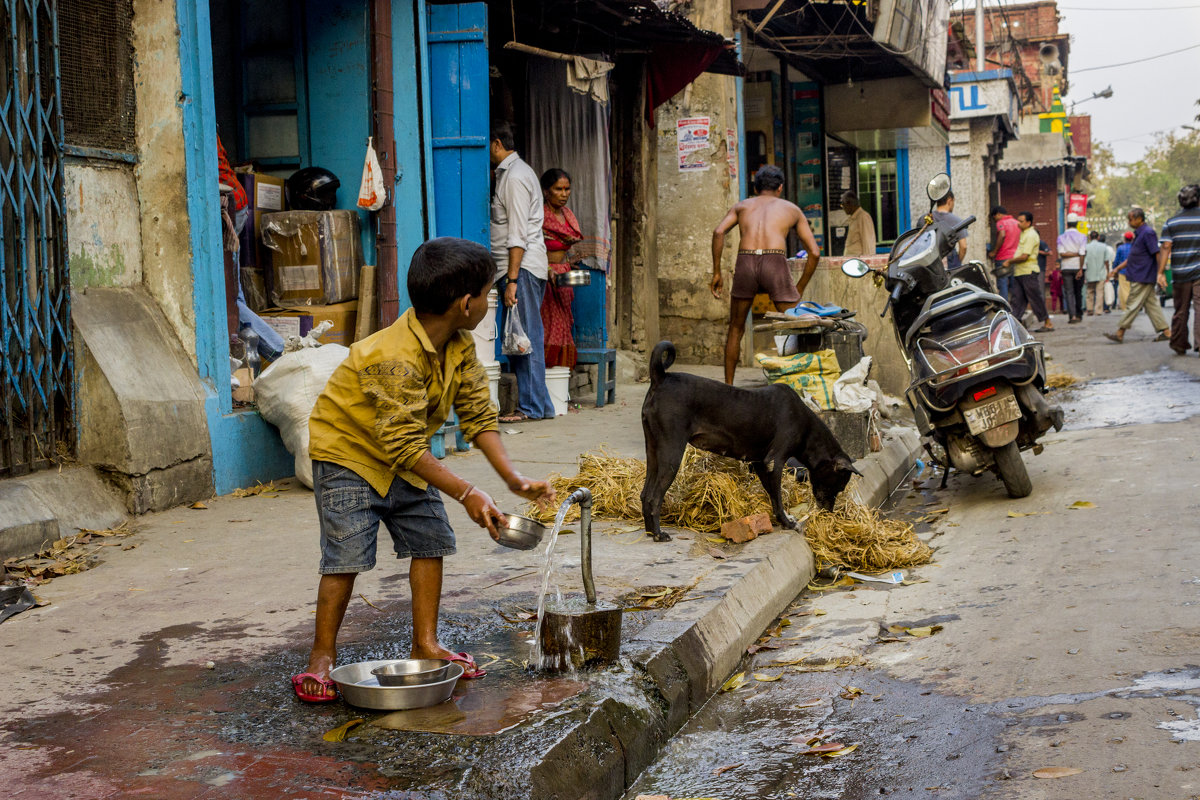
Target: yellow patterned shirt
391 394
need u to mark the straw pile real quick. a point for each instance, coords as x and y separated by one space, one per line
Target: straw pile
708 490
1061 380
711 489
858 538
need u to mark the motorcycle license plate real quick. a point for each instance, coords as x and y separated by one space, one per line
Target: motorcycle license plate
989 415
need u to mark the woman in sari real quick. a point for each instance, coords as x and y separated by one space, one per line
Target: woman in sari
561 230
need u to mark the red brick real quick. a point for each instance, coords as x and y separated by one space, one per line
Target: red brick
746 528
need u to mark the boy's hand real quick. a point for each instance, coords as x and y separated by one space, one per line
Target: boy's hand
484 513
540 492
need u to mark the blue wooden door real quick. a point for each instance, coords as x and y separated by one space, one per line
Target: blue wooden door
459 119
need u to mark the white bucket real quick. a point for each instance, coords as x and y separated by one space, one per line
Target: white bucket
558 383
493 373
485 334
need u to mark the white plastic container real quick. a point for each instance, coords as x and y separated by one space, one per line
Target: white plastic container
558 383
485 335
493 373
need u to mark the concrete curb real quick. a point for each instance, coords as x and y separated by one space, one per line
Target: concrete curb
685 660
36 509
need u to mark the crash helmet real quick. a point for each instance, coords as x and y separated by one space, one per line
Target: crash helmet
311 189
1189 196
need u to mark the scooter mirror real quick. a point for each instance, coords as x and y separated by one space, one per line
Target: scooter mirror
855 268
939 187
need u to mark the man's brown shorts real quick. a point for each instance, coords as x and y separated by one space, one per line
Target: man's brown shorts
754 274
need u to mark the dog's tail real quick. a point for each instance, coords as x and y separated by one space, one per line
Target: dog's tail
660 360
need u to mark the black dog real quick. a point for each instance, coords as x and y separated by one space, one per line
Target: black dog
765 427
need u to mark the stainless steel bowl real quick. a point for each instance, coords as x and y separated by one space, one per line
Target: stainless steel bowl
574 277
411 671
360 688
521 533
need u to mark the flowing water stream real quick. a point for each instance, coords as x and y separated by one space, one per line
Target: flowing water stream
535 656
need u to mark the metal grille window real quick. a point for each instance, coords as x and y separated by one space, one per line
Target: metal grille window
878 192
96 42
36 391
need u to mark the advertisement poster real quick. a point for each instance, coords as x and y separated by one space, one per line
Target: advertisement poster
1078 204
806 127
731 152
692 138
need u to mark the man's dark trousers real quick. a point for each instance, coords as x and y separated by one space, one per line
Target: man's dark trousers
1185 297
1027 289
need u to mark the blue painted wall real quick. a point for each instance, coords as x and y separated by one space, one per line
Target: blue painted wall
339 115
244 447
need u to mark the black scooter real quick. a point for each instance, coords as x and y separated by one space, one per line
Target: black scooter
977 377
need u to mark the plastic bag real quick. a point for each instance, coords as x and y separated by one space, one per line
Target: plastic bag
516 341
287 391
850 391
371 192
1110 294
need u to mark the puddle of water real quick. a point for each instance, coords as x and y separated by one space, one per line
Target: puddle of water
481 709
1163 395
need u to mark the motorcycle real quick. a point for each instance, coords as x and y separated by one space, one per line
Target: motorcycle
978 378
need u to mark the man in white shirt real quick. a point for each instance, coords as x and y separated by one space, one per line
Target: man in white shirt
519 249
1071 246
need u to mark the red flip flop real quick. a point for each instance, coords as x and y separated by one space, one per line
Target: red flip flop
470 671
326 684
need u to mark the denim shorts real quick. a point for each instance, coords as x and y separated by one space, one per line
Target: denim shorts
350 511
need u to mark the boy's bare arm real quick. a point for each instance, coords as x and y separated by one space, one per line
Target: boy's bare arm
539 492
479 505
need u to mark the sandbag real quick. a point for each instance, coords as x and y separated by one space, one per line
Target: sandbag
287 391
815 373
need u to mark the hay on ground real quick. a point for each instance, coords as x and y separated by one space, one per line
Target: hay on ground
859 538
1061 380
710 490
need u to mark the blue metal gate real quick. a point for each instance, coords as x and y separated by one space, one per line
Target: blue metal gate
459 119
36 374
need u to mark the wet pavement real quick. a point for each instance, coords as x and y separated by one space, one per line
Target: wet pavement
1161 395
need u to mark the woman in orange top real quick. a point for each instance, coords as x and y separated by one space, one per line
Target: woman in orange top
561 230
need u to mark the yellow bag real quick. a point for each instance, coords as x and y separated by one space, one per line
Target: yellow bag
815 373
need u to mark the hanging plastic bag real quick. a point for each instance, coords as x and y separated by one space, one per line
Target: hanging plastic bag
1110 294
516 341
371 192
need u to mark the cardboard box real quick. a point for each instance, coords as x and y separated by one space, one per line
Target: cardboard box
298 322
315 256
265 193
245 392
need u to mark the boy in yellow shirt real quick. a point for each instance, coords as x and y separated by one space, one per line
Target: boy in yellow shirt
369 440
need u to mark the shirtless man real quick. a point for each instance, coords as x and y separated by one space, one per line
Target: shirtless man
764 221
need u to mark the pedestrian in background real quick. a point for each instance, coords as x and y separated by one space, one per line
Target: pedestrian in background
1144 270
1109 302
1026 287
1071 245
945 213
1180 242
1008 235
860 228
1096 265
1121 283
1043 276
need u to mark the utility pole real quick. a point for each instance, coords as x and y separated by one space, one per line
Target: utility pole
979 61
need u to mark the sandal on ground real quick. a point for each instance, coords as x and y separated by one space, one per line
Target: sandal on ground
470 671
328 687
1112 337
1044 329
1163 336
510 419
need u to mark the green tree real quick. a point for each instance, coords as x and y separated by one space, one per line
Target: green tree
1152 183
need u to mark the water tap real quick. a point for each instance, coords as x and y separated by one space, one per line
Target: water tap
583 497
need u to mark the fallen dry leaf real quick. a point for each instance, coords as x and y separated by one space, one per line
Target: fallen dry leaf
1082 504
808 704
841 752
715 553
765 678
924 631
198 505
734 683
338 734
825 749
850 692
726 768
1056 772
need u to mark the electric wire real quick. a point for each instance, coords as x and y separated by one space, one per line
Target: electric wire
1138 60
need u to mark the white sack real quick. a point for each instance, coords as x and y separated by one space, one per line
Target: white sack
851 392
287 391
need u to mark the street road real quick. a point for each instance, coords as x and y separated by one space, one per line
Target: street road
1070 636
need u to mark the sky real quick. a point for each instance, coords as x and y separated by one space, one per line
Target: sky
1157 95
